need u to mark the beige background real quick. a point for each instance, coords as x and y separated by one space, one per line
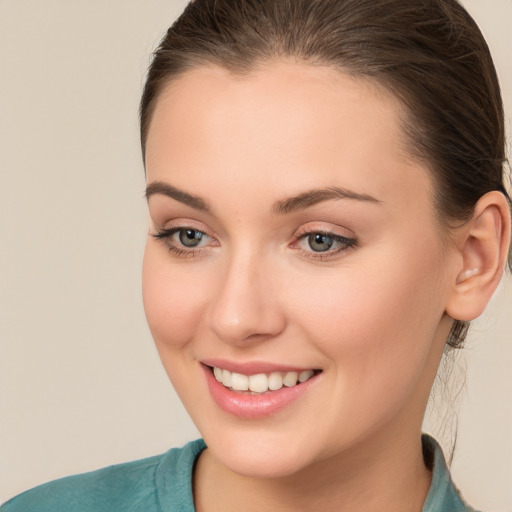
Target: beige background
80 382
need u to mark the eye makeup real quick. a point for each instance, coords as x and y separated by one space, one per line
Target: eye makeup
183 241
187 241
323 245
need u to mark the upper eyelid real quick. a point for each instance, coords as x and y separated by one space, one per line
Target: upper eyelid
307 229
179 225
337 237
172 230
330 232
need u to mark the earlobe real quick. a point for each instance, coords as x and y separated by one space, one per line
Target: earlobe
483 244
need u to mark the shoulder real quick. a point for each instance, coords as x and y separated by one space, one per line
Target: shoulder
105 489
135 486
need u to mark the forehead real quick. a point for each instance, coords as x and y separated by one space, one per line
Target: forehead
292 124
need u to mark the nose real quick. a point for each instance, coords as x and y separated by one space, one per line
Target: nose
246 306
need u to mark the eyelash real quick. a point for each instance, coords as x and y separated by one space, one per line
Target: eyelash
165 236
345 243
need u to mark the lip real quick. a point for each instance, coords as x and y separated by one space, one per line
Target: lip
252 367
247 406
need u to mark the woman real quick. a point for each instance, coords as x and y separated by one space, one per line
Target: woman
325 187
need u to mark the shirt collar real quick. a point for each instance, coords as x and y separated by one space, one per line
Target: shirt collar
175 473
442 496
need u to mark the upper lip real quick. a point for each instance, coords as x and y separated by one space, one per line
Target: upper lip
253 367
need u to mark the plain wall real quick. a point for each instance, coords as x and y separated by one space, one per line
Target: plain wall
81 385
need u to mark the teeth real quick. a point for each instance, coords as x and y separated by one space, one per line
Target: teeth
275 381
305 375
239 382
218 374
258 383
290 379
226 378
261 382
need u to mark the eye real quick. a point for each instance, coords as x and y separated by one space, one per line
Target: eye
320 242
190 237
323 245
184 241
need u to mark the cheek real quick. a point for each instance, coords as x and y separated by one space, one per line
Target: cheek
375 320
174 299
364 305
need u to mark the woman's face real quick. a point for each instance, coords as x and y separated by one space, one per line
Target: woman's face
294 240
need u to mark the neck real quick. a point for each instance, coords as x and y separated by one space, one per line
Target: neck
385 475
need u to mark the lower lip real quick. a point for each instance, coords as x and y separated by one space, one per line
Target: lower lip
245 405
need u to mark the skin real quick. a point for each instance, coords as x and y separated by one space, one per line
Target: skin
372 316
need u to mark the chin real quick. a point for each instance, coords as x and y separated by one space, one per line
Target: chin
261 454
280 464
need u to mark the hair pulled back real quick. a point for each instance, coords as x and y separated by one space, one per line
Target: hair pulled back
430 54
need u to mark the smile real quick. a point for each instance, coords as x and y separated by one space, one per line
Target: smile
261 382
254 390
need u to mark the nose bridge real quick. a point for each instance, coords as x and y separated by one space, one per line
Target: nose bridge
245 304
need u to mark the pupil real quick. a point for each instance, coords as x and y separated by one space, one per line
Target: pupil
190 237
319 242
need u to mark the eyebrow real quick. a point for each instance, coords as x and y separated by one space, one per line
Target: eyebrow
196 202
292 204
313 197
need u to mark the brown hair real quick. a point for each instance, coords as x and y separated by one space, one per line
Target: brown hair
428 53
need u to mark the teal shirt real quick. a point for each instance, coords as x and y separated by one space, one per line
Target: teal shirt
164 484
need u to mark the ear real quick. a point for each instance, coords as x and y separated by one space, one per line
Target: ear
483 243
